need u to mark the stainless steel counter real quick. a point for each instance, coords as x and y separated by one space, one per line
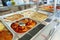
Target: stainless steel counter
44 30
42 34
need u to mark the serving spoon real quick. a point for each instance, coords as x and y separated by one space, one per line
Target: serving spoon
22 24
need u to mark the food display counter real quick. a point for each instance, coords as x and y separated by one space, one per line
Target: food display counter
23 23
28 24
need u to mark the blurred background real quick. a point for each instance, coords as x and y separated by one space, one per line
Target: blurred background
17 5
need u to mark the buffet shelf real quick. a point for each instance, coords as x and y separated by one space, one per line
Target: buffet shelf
42 22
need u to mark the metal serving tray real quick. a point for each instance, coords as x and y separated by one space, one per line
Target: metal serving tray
18 12
46 10
25 15
7 29
19 35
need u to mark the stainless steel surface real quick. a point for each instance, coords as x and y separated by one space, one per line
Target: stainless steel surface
8 24
25 15
50 33
37 5
18 12
55 4
39 34
22 34
15 34
55 28
3 8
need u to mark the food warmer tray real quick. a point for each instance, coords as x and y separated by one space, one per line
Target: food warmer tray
34 32
25 15
16 34
19 35
18 12
44 9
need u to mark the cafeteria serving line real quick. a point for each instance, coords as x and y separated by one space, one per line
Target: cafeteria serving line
29 19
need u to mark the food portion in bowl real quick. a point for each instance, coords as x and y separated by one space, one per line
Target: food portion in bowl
39 16
5 34
14 17
23 25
